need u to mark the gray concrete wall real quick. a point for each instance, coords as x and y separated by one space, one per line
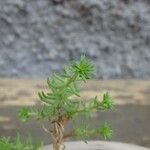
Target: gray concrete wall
40 36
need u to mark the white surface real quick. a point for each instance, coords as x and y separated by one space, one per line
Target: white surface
99 145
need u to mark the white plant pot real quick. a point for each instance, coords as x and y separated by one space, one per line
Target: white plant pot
98 145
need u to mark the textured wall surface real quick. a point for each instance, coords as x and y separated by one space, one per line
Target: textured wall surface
41 36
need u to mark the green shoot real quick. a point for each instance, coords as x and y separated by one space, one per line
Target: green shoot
17 144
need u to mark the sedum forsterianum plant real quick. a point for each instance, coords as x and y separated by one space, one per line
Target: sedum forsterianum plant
17 144
63 103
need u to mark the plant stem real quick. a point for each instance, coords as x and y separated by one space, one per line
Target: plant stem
58 135
72 79
56 146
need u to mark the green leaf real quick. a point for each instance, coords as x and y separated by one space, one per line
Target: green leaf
24 114
71 107
107 102
82 132
84 68
45 98
106 131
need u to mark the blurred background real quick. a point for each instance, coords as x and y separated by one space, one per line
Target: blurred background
38 37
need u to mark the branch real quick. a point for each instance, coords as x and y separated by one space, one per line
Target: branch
47 130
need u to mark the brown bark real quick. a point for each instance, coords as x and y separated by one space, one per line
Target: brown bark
57 133
58 136
56 146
